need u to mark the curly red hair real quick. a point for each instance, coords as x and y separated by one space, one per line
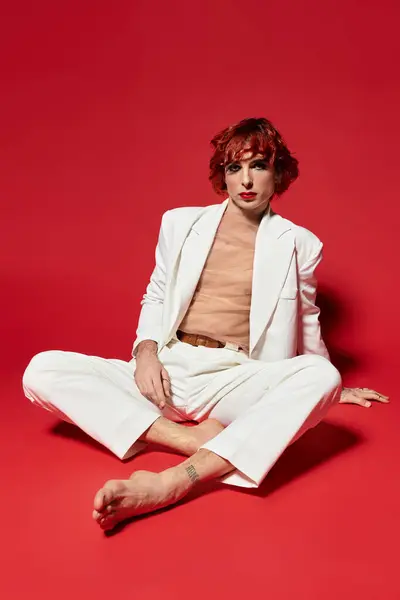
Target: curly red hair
257 136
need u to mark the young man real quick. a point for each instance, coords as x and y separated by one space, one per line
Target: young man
228 336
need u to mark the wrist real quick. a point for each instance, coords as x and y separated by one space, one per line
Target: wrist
146 348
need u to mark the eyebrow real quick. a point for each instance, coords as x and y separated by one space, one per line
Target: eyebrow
252 160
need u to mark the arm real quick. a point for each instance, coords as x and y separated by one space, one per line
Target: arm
309 334
150 318
309 337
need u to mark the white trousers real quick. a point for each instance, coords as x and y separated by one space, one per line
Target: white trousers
263 406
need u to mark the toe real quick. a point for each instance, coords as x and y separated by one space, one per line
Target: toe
108 522
103 498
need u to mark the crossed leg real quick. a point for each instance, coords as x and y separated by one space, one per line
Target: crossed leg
250 444
251 424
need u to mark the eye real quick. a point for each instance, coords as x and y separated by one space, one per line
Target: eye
233 168
260 164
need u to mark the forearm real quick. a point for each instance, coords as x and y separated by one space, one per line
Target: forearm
310 340
309 330
150 323
151 314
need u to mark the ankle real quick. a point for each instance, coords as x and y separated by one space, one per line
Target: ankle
176 479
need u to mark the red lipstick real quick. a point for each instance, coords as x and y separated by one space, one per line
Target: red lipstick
247 195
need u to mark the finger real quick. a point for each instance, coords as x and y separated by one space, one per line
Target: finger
353 399
166 387
380 397
364 402
384 399
363 391
159 392
147 391
371 395
148 394
166 382
141 386
151 394
360 401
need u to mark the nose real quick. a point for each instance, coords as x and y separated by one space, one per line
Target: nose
247 181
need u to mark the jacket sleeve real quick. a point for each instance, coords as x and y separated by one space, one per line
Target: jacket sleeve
309 334
150 318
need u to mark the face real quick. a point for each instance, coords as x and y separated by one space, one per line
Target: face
250 183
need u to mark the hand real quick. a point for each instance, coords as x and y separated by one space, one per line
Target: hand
152 379
361 396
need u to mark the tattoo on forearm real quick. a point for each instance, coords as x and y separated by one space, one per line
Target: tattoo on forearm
193 475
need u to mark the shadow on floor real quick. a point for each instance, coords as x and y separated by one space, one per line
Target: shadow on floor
69 431
72 432
315 447
337 315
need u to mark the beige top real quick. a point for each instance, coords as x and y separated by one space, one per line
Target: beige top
220 307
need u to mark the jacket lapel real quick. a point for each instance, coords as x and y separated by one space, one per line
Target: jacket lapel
273 253
190 261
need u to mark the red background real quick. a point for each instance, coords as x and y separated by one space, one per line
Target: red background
107 110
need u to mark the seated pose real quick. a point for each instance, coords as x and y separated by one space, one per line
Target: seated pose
228 337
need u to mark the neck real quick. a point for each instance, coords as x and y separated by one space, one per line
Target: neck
252 216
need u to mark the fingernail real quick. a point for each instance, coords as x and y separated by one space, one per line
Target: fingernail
368 404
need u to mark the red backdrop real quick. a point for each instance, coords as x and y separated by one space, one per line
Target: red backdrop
107 110
107 116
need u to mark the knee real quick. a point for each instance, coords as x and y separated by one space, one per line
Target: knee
325 371
331 376
39 368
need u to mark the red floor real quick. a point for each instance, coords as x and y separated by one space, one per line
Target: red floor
325 523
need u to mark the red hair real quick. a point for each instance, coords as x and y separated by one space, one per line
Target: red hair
257 136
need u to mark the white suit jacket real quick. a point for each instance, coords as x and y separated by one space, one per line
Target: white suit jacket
284 320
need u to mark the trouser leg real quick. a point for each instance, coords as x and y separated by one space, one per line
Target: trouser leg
98 395
286 399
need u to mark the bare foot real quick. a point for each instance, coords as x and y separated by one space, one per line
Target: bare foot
143 492
204 432
179 437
